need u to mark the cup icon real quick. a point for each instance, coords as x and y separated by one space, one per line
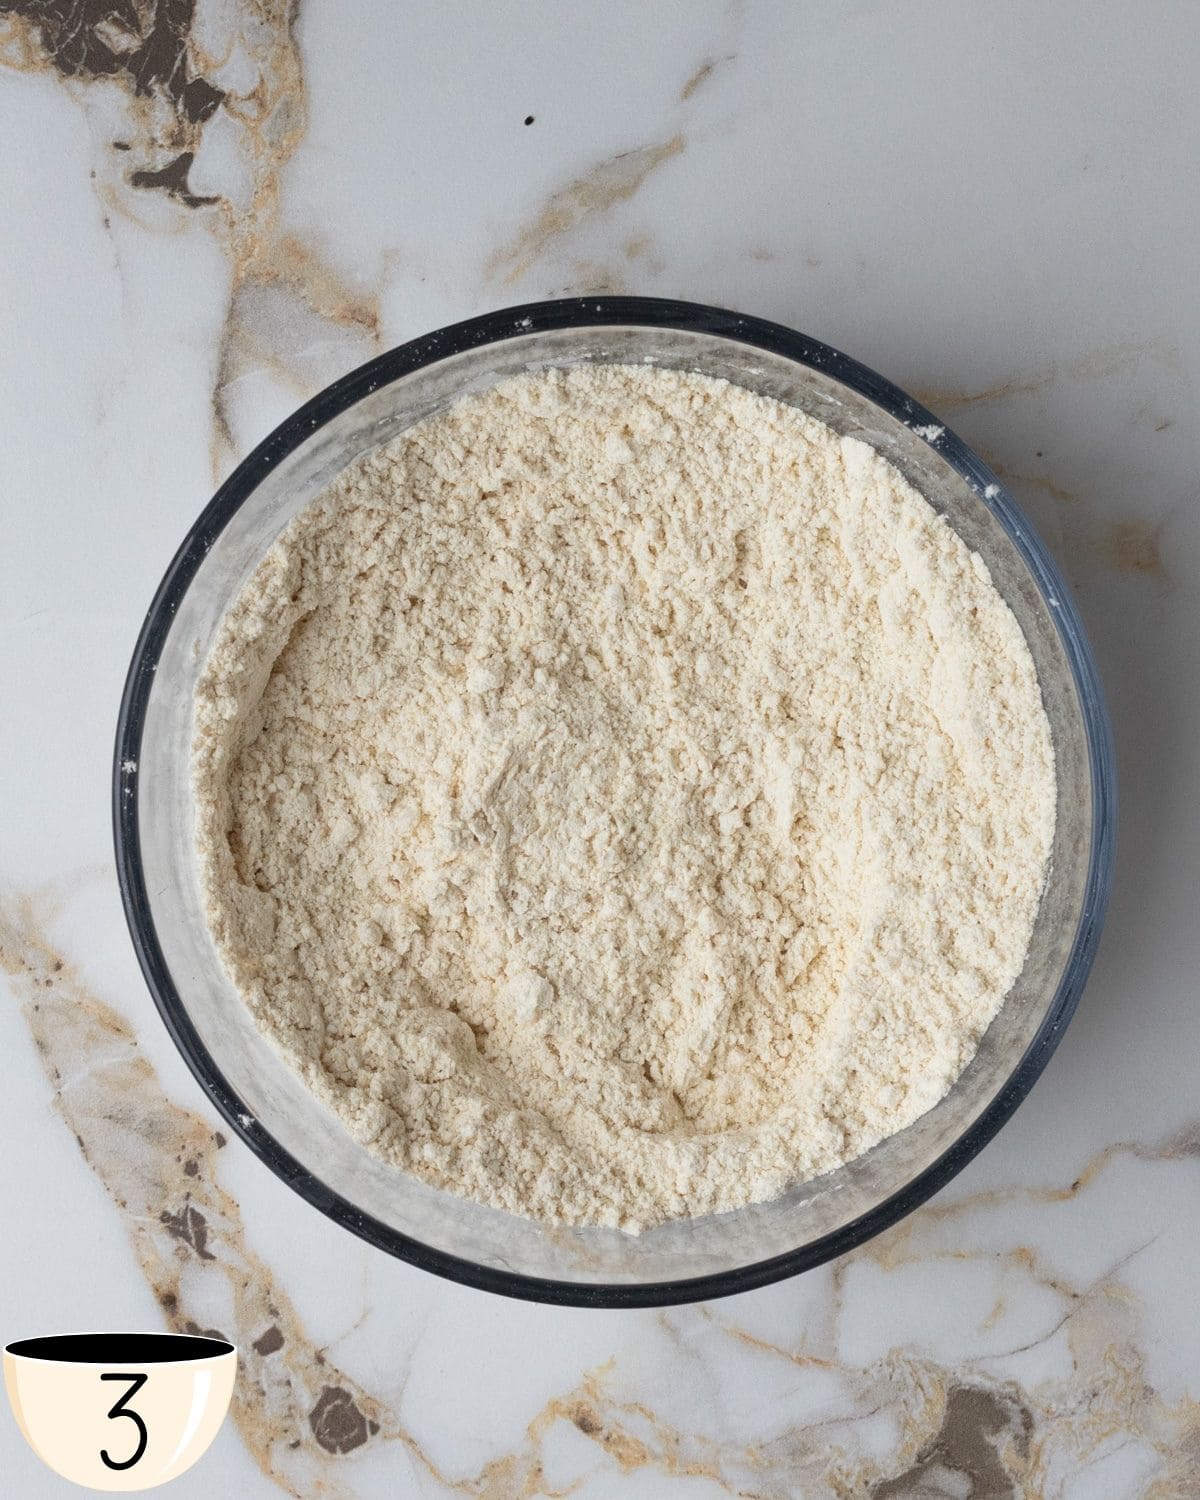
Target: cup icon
119 1411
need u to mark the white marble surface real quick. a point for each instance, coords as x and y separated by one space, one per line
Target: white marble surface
995 206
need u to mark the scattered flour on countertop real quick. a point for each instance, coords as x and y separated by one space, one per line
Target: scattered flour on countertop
621 798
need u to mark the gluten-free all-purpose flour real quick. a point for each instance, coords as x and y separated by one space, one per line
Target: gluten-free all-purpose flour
621 797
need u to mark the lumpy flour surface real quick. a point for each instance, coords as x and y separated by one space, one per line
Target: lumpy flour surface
621 798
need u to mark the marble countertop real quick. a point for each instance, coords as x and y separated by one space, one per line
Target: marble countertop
215 210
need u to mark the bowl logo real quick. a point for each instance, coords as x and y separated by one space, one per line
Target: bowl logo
120 1411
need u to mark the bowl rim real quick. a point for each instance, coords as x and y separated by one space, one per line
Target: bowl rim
505 324
134 1348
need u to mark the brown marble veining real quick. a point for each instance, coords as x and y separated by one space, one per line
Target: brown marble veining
1096 364
1041 482
169 60
701 74
594 192
144 49
1135 547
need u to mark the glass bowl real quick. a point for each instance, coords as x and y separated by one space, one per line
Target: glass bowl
268 1106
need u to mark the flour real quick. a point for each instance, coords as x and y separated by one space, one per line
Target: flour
622 798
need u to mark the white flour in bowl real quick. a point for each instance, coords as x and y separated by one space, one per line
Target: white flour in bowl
621 798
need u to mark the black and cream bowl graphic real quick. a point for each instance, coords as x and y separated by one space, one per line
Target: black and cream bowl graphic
119 1411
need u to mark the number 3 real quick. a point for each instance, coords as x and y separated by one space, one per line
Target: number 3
136 1382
